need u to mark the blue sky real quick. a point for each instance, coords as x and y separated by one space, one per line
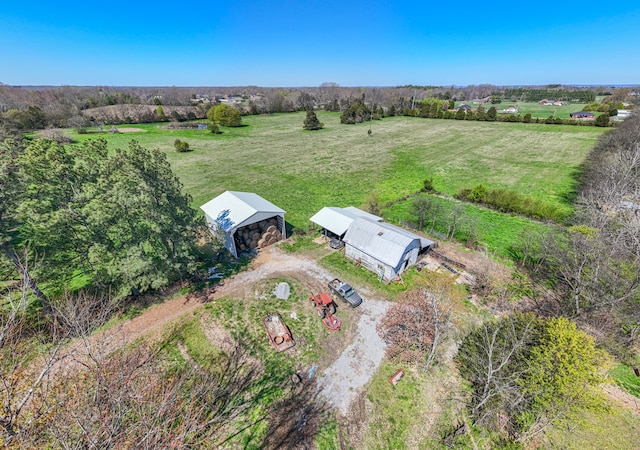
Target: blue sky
306 43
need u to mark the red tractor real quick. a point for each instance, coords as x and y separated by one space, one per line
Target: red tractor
326 308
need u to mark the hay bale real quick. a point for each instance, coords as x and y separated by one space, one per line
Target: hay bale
271 229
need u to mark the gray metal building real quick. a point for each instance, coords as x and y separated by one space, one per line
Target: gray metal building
383 248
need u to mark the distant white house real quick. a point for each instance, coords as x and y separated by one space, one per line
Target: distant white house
233 215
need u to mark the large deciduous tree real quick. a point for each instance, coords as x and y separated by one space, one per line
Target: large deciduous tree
225 116
527 373
117 219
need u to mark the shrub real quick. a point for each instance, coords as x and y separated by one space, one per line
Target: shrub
311 122
181 146
214 128
427 185
602 120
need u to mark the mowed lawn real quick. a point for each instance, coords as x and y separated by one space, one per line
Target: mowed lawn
340 165
543 111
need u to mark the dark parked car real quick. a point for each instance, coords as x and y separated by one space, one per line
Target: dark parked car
336 243
345 292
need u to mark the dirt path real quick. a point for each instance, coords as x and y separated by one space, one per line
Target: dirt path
343 379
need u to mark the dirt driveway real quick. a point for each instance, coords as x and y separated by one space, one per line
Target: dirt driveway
342 380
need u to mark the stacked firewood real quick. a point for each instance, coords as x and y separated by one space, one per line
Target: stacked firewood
258 235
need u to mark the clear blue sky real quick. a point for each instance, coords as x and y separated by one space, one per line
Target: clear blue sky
306 43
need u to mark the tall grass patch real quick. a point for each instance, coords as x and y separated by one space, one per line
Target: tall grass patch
478 226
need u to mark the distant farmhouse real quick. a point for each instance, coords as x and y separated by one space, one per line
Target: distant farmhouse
545 102
582 115
481 101
464 106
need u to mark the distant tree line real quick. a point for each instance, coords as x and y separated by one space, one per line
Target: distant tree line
535 95
30 108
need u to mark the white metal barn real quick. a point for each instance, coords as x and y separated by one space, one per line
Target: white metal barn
245 220
336 221
383 248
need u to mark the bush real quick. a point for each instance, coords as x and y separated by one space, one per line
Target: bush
602 120
511 202
311 122
214 128
181 146
427 185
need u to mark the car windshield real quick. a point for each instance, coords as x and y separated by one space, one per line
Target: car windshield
348 290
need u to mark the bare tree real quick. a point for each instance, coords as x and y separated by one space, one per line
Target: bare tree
489 359
421 207
26 360
415 326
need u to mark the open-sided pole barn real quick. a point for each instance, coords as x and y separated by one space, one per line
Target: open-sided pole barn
336 221
244 220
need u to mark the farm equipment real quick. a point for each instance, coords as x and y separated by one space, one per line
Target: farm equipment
278 333
345 292
326 308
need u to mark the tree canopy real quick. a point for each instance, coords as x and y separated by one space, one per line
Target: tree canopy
526 373
225 116
104 219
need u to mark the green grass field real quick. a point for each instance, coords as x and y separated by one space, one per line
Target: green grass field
302 171
542 111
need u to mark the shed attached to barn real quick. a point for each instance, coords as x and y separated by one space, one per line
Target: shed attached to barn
383 248
244 220
336 221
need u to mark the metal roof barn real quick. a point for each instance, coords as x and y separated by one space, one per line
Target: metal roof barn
383 248
337 220
236 215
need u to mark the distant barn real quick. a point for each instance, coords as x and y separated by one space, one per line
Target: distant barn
244 221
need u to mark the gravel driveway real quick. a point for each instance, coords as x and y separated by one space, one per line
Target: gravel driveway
359 361
342 380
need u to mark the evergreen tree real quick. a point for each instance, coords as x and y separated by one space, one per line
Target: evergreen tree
602 120
492 114
118 219
311 122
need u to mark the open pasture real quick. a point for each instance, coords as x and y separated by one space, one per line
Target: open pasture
340 165
543 111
